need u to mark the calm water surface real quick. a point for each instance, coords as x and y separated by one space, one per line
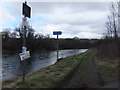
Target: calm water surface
12 66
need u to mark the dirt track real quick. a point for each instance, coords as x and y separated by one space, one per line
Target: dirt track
93 79
113 84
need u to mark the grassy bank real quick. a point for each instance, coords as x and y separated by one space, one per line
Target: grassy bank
108 68
93 71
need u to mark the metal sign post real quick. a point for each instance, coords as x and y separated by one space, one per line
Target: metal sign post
24 37
26 10
25 54
57 48
57 33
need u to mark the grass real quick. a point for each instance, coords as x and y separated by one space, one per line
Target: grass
8 81
108 73
81 77
108 68
84 77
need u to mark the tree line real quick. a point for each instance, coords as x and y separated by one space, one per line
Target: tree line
35 41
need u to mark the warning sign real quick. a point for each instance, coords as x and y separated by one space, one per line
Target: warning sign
24 55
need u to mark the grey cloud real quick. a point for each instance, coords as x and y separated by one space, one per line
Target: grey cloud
46 7
72 17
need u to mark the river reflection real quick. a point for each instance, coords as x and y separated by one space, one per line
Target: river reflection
12 66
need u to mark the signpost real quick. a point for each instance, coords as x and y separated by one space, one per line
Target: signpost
57 33
26 10
24 55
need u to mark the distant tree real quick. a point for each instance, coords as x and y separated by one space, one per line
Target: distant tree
112 23
47 36
30 32
76 37
109 47
119 18
109 27
20 31
14 34
6 34
39 36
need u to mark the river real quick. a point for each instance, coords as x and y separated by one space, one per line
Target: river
12 66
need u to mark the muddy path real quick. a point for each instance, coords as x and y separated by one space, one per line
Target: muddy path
94 80
83 76
65 81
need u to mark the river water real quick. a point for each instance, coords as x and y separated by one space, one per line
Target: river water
12 66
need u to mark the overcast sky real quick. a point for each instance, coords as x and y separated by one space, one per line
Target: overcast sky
81 19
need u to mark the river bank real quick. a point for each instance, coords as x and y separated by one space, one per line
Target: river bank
41 50
12 65
83 70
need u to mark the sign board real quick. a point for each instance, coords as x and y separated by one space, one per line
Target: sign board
25 22
26 10
57 32
24 49
24 55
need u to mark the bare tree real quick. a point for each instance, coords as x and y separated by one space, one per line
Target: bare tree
119 18
20 31
14 34
113 21
30 31
109 27
114 17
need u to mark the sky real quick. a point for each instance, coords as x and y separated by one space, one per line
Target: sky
74 19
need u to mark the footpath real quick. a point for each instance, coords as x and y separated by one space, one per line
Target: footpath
92 73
